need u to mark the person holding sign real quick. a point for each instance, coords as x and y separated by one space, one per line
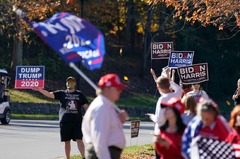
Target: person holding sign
168 89
168 142
70 114
103 122
236 95
197 93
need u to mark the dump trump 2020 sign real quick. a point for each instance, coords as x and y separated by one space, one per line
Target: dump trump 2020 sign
28 77
196 73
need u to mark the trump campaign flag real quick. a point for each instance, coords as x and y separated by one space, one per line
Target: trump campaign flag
73 38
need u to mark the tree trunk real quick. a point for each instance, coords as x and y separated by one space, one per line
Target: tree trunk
146 42
160 36
17 52
17 47
129 42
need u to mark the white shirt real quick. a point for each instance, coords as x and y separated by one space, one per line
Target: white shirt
200 93
102 127
159 118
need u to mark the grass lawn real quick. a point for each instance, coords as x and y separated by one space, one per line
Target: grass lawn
34 116
137 100
134 152
28 96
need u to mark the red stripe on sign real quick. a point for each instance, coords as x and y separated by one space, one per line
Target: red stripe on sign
72 56
29 84
185 55
97 60
196 68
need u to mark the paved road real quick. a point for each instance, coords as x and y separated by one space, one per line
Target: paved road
39 139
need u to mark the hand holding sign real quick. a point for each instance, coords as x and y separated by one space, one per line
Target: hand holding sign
166 72
153 74
173 75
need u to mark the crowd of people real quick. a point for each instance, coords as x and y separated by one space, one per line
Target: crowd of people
182 119
183 113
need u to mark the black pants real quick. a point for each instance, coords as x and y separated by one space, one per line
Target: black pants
90 153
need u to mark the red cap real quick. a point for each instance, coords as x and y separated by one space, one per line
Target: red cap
111 80
175 103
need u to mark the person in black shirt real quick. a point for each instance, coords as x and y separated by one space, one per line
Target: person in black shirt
236 95
70 114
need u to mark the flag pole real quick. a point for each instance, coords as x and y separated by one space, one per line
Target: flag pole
71 64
